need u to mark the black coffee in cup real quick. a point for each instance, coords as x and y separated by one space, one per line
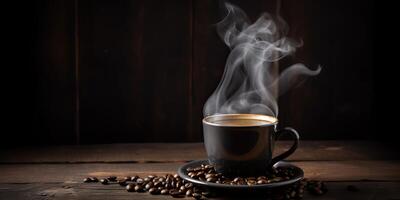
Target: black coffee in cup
242 144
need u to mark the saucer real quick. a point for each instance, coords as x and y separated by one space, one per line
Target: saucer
298 175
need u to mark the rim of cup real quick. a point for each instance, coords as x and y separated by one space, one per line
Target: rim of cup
268 120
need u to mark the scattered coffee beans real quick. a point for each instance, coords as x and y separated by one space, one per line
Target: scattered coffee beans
154 191
122 182
127 178
130 187
139 188
164 191
112 178
134 178
316 187
94 179
104 181
90 180
208 173
87 180
172 184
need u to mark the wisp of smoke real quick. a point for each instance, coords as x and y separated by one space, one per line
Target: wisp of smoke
250 77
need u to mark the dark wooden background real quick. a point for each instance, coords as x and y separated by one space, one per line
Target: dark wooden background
104 71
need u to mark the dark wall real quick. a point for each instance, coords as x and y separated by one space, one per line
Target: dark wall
140 71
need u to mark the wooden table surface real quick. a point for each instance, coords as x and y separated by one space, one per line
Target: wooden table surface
57 172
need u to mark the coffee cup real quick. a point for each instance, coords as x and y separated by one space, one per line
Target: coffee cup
243 144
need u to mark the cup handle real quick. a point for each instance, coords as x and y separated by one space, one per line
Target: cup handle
292 148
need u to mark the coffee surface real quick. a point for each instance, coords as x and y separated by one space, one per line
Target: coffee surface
241 122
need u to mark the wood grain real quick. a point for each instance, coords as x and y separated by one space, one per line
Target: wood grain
147 67
376 178
134 66
340 98
322 170
51 86
172 152
54 191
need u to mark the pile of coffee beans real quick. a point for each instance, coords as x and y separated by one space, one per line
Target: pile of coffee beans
174 185
296 190
208 173
169 184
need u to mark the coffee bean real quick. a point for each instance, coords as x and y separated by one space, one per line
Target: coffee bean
262 181
127 178
104 181
139 188
139 181
178 184
196 195
176 193
161 179
300 191
94 179
189 169
87 180
211 179
197 169
164 191
201 173
149 185
208 167
176 176
188 185
210 176
134 178
189 192
237 179
154 191
122 182
211 171
293 194
147 179
157 184
276 179
112 178
169 177
262 178
251 182
168 185
130 187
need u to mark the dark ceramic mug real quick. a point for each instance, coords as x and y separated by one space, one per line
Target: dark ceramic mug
242 144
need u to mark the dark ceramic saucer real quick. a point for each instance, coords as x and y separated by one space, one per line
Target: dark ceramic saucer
299 174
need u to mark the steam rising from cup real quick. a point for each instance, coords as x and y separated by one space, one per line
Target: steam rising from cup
250 77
